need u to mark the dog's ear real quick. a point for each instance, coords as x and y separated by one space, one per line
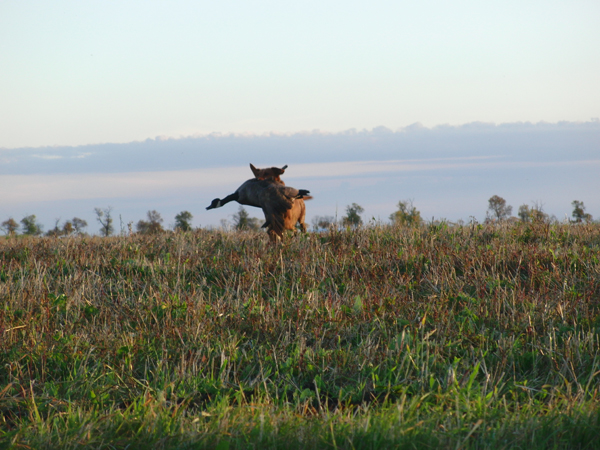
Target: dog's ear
255 171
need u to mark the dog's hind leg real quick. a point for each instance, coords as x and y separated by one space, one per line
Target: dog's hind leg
302 217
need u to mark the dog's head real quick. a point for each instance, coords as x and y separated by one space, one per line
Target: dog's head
271 173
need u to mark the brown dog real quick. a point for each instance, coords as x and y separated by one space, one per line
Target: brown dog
295 215
278 202
271 173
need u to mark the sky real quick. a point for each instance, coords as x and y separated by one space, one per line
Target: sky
79 78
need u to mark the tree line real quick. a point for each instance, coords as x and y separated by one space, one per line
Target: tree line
152 224
498 210
76 226
406 215
30 226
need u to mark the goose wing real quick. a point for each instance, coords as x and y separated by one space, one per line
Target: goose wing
292 193
276 200
280 198
251 192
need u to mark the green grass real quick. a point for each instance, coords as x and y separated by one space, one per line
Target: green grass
432 337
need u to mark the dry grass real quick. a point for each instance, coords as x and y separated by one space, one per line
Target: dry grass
438 336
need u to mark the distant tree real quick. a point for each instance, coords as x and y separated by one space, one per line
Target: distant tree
67 228
535 213
153 225
54 231
183 221
579 214
142 227
407 214
10 226
538 214
79 225
323 222
30 226
243 221
524 213
75 225
498 209
104 216
352 217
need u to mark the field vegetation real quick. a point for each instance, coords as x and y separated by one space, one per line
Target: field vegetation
433 336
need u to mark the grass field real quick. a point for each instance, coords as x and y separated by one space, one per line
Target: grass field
482 336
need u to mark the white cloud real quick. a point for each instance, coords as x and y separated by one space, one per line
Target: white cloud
47 156
82 155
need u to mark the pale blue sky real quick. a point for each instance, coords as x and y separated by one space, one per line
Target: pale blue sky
83 72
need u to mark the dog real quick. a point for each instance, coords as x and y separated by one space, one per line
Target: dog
292 216
282 206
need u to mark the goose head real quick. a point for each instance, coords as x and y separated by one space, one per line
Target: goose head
216 203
